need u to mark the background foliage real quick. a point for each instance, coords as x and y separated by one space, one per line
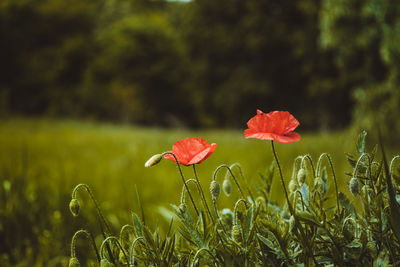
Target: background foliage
327 61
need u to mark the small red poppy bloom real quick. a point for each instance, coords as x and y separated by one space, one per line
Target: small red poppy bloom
191 151
276 125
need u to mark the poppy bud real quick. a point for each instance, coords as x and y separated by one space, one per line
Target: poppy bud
227 187
154 160
301 176
214 190
237 233
74 262
74 206
182 207
227 217
105 263
292 186
354 186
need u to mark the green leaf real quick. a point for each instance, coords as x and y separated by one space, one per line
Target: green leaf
138 224
249 223
382 259
361 143
305 192
346 205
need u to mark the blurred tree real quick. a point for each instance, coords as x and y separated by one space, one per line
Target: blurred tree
365 36
265 54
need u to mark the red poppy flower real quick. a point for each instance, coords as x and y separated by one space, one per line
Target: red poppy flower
276 125
191 151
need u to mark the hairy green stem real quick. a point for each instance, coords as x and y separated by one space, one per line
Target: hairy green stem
183 180
328 157
233 177
89 236
202 194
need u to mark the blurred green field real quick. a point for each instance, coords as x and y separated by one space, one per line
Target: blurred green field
42 160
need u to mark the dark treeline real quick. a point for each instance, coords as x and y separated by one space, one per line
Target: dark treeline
205 63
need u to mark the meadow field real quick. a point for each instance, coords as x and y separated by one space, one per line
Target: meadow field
41 160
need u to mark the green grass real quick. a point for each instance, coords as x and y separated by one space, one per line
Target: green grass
42 160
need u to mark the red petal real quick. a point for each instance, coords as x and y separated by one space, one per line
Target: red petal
191 151
289 138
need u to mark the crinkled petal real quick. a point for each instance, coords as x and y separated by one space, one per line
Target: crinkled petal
191 151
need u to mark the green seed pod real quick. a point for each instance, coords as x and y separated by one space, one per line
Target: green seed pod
227 217
105 263
74 262
292 186
182 207
74 206
237 233
354 186
227 187
154 160
214 190
371 248
301 176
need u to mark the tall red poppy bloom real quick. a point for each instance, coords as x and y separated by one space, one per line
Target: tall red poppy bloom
191 151
276 125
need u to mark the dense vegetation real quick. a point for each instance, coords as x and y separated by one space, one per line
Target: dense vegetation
132 60
41 161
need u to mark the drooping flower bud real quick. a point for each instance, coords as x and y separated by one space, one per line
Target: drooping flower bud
354 186
227 217
292 186
301 176
74 262
227 187
106 263
154 160
74 206
237 233
214 190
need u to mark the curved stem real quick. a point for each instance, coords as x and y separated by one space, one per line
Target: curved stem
233 177
88 236
283 182
354 223
196 182
133 246
198 253
392 164
236 208
126 226
310 161
202 194
237 165
183 179
327 156
119 245
302 200
74 192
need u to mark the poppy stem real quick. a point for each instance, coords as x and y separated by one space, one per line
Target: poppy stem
184 182
283 182
202 193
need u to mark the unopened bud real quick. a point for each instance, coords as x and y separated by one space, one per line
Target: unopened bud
237 233
74 206
354 186
106 263
227 187
227 217
154 160
292 186
214 190
74 262
301 176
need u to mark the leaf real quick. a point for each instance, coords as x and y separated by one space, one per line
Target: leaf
138 225
361 143
382 260
249 223
305 192
346 205
394 218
